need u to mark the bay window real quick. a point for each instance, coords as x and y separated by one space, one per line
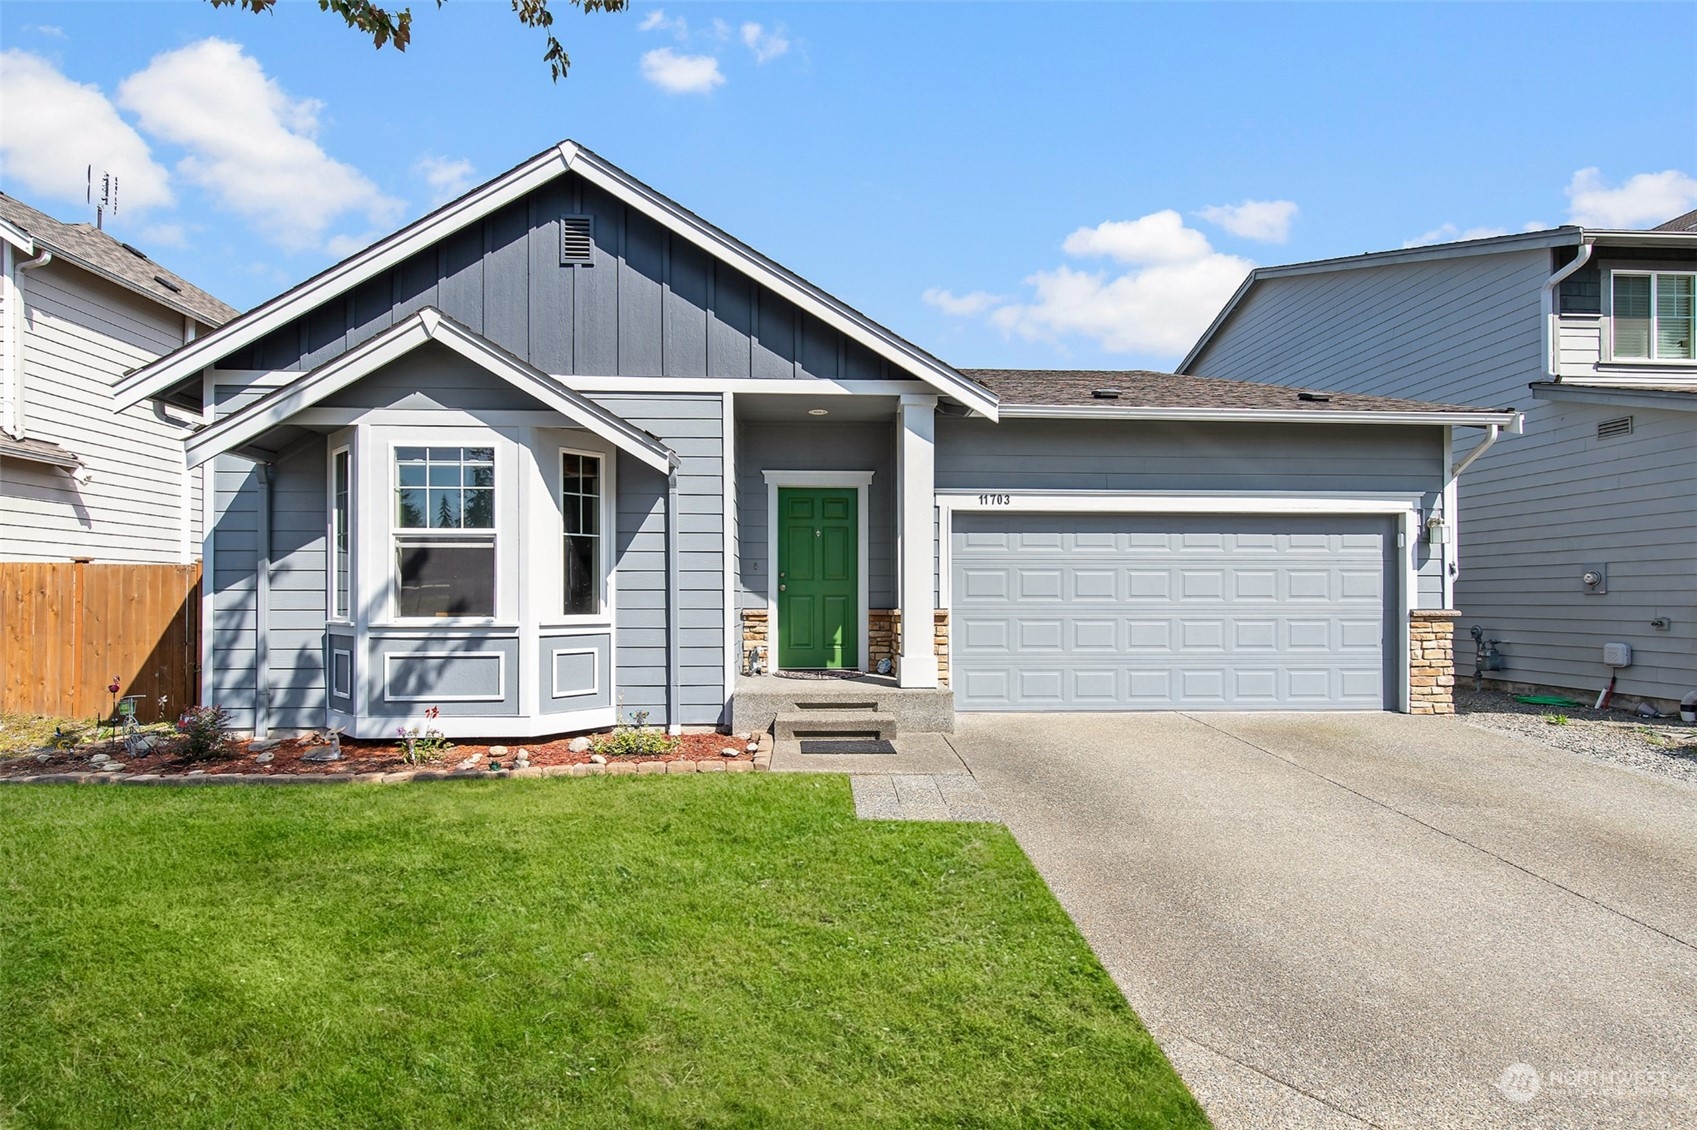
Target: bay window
444 531
1655 315
341 483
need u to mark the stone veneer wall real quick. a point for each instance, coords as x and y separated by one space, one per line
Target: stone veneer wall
1431 661
883 637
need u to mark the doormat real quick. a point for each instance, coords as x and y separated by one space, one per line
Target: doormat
846 745
818 674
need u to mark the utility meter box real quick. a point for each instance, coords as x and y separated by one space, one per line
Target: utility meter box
1617 654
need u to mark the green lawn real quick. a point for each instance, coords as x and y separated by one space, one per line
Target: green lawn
729 951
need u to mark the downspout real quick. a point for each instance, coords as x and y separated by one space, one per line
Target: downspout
12 415
1552 369
262 608
673 725
1472 456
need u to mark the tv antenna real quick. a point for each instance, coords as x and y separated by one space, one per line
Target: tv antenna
108 197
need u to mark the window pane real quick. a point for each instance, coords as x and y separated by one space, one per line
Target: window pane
411 474
444 474
1632 315
410 513
477 476
439 579
445 509
342 485
582 571
479 455
444 455
479 511
1674 316
410 454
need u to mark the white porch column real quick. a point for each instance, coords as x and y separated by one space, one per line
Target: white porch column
916 449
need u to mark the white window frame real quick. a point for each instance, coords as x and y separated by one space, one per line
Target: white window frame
604 571
1655 277
337 614
499 535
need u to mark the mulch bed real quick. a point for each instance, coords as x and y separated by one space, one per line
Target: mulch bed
357 757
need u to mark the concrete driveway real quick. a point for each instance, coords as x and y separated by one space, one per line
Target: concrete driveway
1370 919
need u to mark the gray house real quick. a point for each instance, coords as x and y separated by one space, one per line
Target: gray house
1581 533
562 452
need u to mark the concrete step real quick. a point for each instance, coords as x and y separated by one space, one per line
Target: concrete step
833 724
761 699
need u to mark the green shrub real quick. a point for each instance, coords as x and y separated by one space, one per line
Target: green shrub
206 732
637 739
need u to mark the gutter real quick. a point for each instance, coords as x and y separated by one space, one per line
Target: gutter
1547 320
12 415
1262 416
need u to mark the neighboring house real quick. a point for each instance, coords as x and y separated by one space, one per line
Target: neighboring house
1590 333
561 453
78 309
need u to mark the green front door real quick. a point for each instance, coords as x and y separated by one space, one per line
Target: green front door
818 587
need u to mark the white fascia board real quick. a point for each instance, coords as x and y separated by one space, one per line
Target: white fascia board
17 237
791 287
155 378
1624 396
1258 416
1641 238
427 325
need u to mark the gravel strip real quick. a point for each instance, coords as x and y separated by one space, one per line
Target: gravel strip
1667 747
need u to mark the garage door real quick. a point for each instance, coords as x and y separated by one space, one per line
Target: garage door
1118 612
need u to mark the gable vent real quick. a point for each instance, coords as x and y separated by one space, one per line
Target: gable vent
577 248
167 284
1619 426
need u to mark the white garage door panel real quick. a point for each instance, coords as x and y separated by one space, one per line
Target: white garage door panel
1113 612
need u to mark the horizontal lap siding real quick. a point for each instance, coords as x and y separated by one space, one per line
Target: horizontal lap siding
1537 508
825 447
692 427
80 336
1109 455
650 305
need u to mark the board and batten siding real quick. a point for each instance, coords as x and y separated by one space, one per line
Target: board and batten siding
764 446
1537 508
80 335
1161 457
693 427
652 304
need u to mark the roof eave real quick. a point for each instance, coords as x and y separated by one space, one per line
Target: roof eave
1262 415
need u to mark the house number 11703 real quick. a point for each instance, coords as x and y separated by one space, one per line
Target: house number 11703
995 500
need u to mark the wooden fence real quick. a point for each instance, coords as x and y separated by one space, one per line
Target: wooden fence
66 629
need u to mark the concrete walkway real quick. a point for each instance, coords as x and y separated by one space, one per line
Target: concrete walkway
1371 920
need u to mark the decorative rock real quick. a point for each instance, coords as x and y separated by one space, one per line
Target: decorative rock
727 753
753 747
43 758
470 762
497 751
578 745
259 745
745 737
597 759
99 759
265 758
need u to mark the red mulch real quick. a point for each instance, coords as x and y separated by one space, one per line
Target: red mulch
357 757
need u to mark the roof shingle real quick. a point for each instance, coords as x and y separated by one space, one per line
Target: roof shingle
86 246
1140 388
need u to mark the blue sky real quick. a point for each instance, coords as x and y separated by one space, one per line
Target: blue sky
1065 185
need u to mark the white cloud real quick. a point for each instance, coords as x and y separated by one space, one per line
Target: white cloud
69 126
164 235
1645 200
960 305
658 21
1449 233
47 31
1265 221
1159 237
721 30
766 45
681 74
250 144
1176 283
446 177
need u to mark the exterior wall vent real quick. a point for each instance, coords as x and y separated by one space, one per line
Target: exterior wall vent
577 246
1619 426
1105 393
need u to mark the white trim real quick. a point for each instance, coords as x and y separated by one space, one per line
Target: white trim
344 276
390 656
732 551
1655 275
860 481
554 671
427 325
1257 415
17 237
336 615
208 562
916 522
806 386
155 378
605 543
1403 508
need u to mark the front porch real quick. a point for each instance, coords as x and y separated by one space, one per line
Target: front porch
847 704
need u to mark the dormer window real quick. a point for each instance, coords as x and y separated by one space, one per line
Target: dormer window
1655 315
